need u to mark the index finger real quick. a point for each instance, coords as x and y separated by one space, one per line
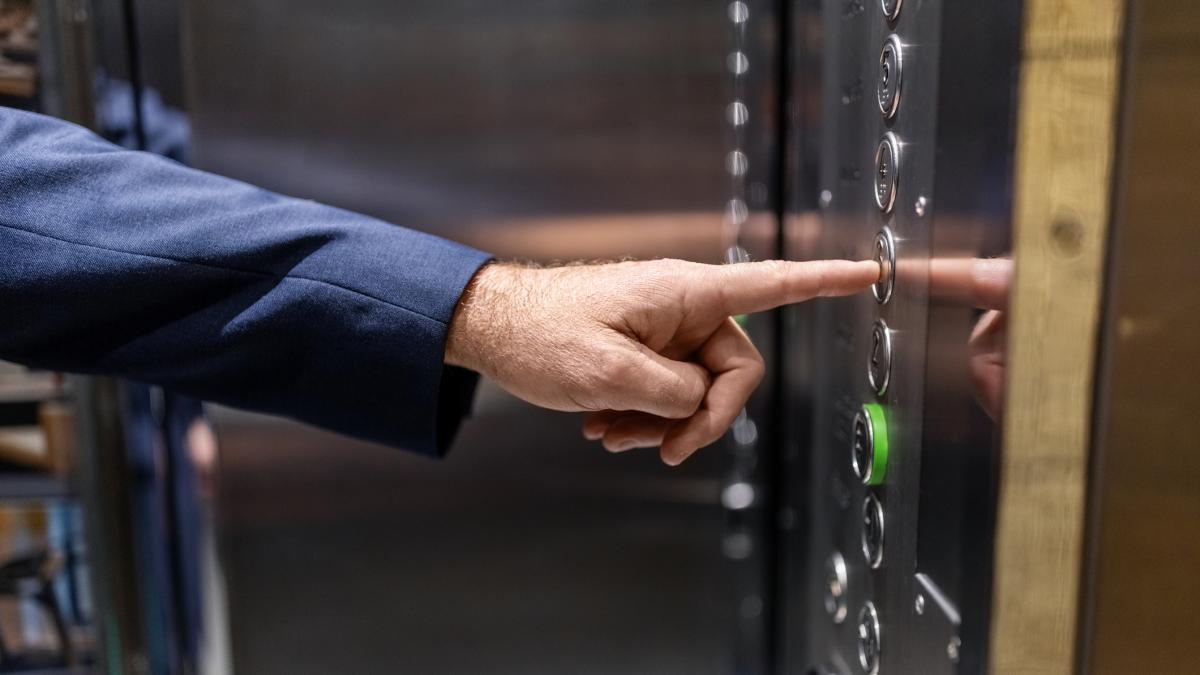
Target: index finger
980 282
750 287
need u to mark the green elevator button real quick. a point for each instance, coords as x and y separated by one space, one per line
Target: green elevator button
869 454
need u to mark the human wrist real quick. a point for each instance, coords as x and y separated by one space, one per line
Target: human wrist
479 322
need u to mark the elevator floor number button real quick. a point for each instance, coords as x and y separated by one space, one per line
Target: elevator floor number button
887 171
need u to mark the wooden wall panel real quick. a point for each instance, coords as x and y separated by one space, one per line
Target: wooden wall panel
1065 145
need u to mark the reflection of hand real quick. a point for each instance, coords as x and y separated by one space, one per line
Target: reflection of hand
986 363
647 347
982 283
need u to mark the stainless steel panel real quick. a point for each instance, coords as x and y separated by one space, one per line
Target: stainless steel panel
492 123
537 130
950 166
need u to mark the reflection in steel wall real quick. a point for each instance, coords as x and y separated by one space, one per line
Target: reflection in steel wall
462 117
539 130
891 463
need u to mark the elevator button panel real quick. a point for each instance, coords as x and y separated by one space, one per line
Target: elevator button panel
879 364
899 485
890 77
887 171
869 452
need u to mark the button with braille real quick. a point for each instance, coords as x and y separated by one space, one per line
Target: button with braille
890 77
887 171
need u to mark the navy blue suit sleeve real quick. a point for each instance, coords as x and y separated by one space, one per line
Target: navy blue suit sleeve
125 263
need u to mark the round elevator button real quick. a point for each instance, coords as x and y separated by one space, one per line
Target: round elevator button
872 531
885 255
879 366
891 8
887 171
869 643
890 78
869 438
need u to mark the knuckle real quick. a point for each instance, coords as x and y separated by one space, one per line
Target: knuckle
777 272
758 365
756 370
613 370
661 277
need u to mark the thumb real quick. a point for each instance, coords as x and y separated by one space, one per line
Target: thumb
652 383
745 288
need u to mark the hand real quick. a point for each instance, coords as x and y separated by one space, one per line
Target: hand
982 283
648 348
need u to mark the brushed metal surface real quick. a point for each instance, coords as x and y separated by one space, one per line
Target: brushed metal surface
535 130
953 131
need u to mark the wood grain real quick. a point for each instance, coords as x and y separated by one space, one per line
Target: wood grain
1065 145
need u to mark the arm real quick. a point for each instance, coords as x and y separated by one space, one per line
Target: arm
128 264
124 263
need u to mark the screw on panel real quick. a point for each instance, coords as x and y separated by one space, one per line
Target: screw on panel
919 604
952 649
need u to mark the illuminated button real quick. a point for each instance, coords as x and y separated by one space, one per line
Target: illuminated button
869 438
